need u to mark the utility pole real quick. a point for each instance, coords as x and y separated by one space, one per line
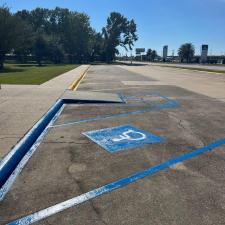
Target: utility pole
173 55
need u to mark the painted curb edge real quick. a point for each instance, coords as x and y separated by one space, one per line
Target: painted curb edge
11 160
76 83
15 160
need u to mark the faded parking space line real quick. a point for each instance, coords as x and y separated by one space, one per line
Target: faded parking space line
159 106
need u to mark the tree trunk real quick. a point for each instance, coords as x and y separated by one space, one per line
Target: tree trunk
39 62
1 65
2 57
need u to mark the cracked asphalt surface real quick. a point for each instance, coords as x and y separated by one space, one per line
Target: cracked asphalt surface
68 164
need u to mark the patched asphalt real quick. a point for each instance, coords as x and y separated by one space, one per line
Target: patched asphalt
68 163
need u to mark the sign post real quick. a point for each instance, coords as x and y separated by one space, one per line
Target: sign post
139 51
204 53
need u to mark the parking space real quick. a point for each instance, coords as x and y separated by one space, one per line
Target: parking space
94 144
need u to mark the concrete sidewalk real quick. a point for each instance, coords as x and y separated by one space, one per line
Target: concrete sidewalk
21 106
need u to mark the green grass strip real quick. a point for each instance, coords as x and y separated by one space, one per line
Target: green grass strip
31 73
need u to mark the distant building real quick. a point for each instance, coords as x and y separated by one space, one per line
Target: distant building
165 52
204 54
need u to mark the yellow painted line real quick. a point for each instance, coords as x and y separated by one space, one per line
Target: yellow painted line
76 83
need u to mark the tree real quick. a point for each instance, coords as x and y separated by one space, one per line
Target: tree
119 31
53 34
40 48
153 55
186 52
25 40
55 51
76 37
148 54
39 19
8 33
96 46
57 21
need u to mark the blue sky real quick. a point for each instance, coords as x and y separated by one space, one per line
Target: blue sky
159 22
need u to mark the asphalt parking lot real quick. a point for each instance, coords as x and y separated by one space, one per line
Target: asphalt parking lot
93 144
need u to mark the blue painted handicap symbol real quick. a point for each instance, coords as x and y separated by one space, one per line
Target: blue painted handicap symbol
119 138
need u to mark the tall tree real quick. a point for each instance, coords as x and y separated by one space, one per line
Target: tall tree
39 19
148 54
40 48
57 21
47 28
55 51
76 39
8 33
186 52
153 55
119 31
96 46
53 34
25 40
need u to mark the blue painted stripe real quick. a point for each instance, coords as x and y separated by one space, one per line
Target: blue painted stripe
5 188
11 160
12 164
112 186
122 97
159 106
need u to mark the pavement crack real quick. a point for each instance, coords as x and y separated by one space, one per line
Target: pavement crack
97 212
187 130
95 209
180 124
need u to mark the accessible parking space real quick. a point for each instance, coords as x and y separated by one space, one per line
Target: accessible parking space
156 157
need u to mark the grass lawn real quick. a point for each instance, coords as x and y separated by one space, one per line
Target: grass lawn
31 73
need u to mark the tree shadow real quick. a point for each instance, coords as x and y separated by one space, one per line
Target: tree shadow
98 63
11 70
130 64
30 65
119 63
26 65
